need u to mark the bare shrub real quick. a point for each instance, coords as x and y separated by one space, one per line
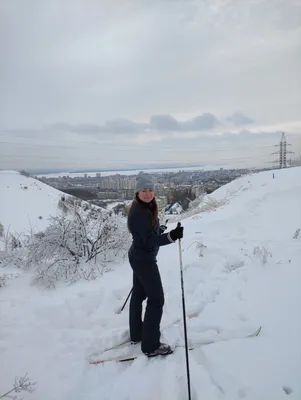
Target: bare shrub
62 206
234 265
262 253
199 247
22 384
24 173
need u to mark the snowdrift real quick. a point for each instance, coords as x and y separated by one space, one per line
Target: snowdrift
241 270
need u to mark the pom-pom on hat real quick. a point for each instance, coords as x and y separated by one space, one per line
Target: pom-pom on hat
143 182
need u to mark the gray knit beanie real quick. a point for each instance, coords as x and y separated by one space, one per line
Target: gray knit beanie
143 182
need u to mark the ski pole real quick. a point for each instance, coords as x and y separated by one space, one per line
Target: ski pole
119 311
184 319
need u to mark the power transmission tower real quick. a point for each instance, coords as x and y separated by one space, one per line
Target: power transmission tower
282 151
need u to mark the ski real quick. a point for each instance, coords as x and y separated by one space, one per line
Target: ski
131 357
165 326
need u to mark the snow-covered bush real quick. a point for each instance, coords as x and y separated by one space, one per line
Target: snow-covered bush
206 203
211 203
12 241
12 257
1 230
77 244
296 234
11 249
173 209
4 278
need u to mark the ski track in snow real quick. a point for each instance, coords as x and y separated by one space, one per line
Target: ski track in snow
51 334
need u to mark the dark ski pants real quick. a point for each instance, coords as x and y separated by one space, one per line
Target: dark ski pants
146 284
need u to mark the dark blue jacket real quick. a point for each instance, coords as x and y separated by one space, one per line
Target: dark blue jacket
146 238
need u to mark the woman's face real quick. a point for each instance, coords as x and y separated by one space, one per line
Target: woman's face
146 195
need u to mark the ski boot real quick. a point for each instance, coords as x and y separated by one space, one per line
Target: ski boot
162 350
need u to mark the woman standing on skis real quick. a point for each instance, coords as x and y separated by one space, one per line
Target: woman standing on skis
148 236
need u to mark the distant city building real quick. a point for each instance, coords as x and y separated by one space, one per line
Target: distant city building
179 187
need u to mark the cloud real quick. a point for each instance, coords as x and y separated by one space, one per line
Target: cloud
86 89
105 60
73 150
111 126
164 123
123 126
157 123
239 119
203 122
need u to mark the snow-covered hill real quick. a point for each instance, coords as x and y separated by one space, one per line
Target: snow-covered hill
241 270
26 203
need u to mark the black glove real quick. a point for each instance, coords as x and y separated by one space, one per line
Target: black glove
163 228
177 233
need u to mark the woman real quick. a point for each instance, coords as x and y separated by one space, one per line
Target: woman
143 223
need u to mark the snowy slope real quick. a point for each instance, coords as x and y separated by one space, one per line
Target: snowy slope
23 200
248 274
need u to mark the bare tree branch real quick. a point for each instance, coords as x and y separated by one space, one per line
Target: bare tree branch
22 384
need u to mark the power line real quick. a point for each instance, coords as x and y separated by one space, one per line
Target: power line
237 160
24 157
167 147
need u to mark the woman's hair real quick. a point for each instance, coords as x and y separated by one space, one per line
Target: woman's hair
152 206
154 211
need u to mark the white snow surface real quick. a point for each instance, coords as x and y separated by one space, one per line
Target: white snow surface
175 209
51 334
23 200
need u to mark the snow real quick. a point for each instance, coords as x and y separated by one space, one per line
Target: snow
175 208
245 274
23 200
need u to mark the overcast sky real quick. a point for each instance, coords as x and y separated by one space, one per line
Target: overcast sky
115 83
